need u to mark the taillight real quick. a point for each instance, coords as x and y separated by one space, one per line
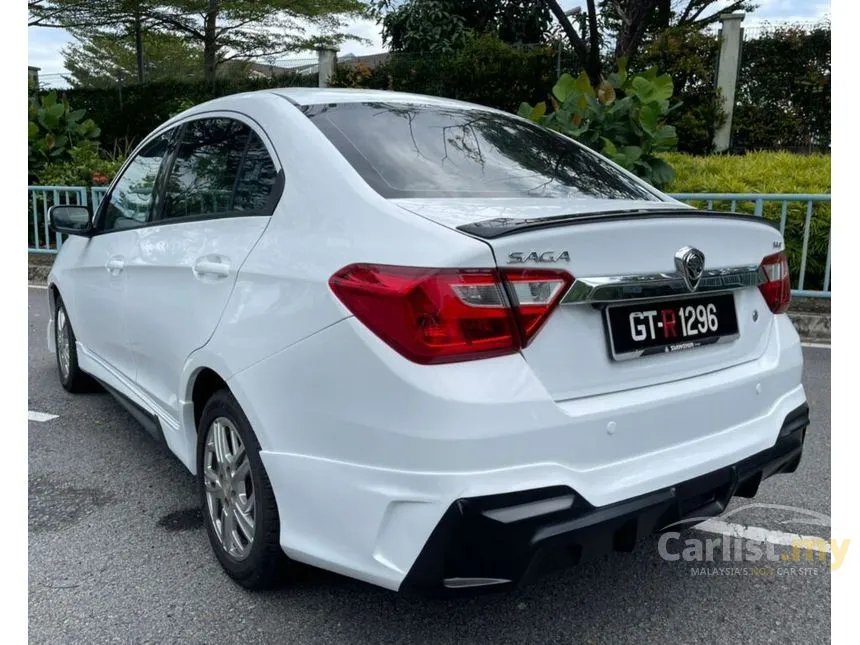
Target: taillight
777 287
446 315
534 293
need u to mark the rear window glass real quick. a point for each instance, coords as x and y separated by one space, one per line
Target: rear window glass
410 150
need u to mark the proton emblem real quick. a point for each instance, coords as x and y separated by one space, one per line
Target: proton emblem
690 263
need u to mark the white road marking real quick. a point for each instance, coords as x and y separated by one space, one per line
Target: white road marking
764 535
37 286
819 345
41 417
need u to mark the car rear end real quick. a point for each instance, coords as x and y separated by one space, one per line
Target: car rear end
607 362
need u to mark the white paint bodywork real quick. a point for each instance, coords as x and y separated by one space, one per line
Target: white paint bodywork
365 449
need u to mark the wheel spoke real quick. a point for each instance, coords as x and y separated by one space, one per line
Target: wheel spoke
219 436
213 483
238 455
211 476
213 504
241 472
244 522
229 530
237 448
246 504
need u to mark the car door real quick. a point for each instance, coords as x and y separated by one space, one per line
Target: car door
220 189
97 274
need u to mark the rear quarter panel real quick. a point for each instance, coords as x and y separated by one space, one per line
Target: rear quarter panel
327 218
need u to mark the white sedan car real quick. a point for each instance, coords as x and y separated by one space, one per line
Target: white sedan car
424 343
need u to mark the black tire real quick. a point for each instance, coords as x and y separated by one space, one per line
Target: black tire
74 379
266 564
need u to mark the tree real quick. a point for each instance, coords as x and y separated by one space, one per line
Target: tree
98 60
442 26
630 21
240 29
636 22
688 55
80 13
104 16
224 29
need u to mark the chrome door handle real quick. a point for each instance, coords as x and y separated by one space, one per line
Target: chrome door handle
115 265
211 266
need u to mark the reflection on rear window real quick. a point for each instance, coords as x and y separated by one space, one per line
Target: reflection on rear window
412 150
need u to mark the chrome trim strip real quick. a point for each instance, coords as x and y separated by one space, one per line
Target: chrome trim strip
654 286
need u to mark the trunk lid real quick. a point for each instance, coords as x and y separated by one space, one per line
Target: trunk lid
606 238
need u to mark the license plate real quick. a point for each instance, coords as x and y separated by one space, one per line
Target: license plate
644 329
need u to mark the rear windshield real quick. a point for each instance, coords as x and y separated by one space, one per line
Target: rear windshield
408 150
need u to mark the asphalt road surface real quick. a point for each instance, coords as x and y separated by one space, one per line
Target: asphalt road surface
117 553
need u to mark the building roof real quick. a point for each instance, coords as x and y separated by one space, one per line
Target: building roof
371 60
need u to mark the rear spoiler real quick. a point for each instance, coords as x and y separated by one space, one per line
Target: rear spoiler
501 226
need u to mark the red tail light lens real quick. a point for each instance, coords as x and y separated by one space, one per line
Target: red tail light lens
534 294
445 315
777 289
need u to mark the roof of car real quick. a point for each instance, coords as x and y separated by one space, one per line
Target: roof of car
324 95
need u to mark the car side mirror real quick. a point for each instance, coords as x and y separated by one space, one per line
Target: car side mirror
72 220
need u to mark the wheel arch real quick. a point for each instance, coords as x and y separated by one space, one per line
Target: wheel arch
204 373
205 382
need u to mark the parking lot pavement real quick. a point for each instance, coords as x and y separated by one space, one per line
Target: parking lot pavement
117 553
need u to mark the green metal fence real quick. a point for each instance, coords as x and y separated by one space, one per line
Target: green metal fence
41 198
804 221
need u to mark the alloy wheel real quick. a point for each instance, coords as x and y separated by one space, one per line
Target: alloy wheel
64 349
229 488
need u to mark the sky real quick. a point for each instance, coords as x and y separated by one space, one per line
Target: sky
45 44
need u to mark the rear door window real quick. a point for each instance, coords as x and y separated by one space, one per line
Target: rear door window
257 177
221 168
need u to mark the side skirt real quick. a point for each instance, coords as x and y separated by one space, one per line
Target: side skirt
148 420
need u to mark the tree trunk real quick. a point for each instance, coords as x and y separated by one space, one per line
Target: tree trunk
593 66
633 27
664 14
138 45
591 63
210 42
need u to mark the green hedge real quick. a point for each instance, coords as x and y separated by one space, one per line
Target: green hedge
127 114
767 172
783 93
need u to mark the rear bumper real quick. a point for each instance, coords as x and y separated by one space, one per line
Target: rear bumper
499 541
366 451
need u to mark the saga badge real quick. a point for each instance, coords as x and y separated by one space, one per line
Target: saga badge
521 257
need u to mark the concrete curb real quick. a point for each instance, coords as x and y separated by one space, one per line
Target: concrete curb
812 327
811 316
38 273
